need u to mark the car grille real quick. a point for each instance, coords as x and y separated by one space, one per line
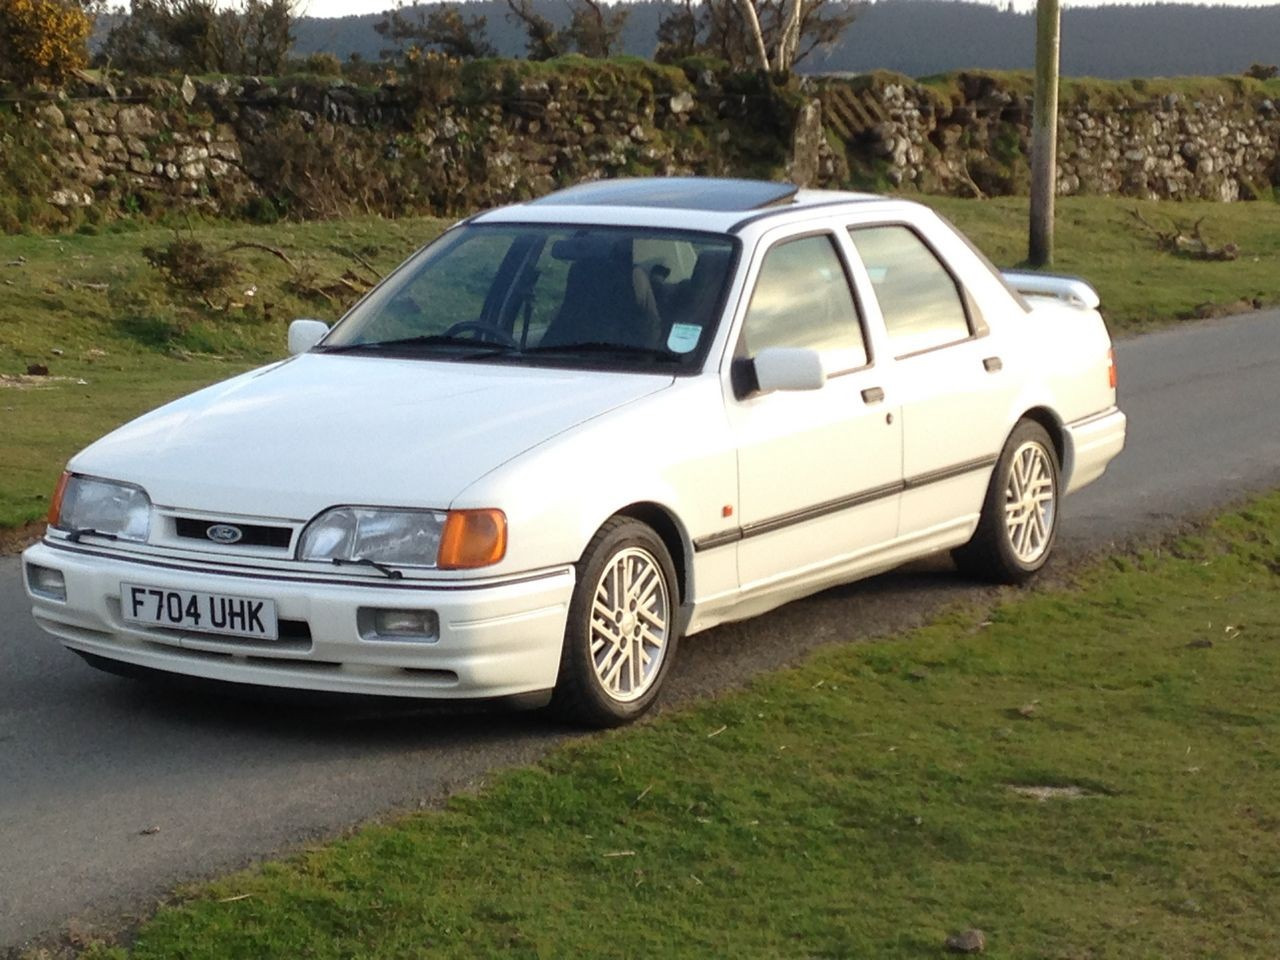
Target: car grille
251 534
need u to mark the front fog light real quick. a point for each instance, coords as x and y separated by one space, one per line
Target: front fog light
419 625
46 582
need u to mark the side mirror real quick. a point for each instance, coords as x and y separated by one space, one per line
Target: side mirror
788 368
305 334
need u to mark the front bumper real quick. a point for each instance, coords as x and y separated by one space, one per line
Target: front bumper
496 639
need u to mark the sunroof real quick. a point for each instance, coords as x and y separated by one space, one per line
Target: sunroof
675 193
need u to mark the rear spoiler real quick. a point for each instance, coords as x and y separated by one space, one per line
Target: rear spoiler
1070 290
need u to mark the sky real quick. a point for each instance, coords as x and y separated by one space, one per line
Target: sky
344 8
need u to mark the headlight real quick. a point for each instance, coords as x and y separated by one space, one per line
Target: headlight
459 539
104 506
387 536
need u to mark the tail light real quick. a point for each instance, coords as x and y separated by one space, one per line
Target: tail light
1111 368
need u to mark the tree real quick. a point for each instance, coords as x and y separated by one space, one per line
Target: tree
767 34
199 36
591 31
542 40
42 39
268 34
678 33
755 34
443 28
594 30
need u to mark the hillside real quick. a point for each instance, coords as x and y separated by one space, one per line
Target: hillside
921 37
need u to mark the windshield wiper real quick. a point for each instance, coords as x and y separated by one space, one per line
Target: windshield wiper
479 348
390 572
599 346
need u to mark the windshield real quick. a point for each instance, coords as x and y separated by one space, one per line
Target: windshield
621 297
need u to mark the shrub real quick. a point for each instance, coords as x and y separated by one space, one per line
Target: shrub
188 266
430 78
262 210
201 36
42 40
322 64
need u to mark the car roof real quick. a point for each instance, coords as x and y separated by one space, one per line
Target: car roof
714 204
675 193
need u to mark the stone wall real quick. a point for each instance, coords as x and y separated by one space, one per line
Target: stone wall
968 134
495 132
480 136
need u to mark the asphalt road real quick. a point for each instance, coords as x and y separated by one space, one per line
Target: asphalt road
112 792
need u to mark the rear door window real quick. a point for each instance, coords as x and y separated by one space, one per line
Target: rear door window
919 299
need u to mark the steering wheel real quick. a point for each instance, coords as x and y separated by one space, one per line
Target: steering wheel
484 333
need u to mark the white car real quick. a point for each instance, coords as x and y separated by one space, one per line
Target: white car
570 432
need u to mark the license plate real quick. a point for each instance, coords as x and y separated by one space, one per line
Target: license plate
203 612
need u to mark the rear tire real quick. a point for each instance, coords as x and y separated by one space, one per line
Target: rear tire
1019 521
622 630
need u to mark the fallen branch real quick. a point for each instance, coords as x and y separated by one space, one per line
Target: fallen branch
1186 241
82 285
353 283
967 178
266 248
373 271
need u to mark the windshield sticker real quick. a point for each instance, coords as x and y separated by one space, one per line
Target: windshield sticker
683 337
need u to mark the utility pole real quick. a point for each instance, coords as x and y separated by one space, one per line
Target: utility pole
1044 134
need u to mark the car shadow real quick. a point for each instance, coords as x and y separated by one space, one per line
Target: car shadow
711 662
728 656
289 716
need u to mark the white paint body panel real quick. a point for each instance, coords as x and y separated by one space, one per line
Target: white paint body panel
297 437
770 497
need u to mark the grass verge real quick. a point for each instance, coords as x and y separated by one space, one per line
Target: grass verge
1141 287
117 340
867 803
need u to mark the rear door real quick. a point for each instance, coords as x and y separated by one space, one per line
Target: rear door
949 376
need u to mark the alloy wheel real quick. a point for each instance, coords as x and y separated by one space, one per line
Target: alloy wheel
630 622
1030 502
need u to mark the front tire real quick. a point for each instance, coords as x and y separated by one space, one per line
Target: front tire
622 629
1019 521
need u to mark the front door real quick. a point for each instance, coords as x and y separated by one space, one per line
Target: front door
819 471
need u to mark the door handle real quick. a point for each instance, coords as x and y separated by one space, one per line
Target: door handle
992 364
873 395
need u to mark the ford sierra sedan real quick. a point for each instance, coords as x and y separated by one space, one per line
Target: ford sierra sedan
570 432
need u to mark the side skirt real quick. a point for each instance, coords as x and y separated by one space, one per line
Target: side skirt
764 595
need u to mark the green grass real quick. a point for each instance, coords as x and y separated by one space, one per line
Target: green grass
41 427
136 343
117 341
861 805
1096 238
1093 91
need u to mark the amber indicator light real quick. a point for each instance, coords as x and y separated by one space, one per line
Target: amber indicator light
472 538
55 505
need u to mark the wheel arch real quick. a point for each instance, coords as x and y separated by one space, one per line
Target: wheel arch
673 535
1058 433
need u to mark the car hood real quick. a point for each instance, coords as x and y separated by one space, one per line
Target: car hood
291 439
